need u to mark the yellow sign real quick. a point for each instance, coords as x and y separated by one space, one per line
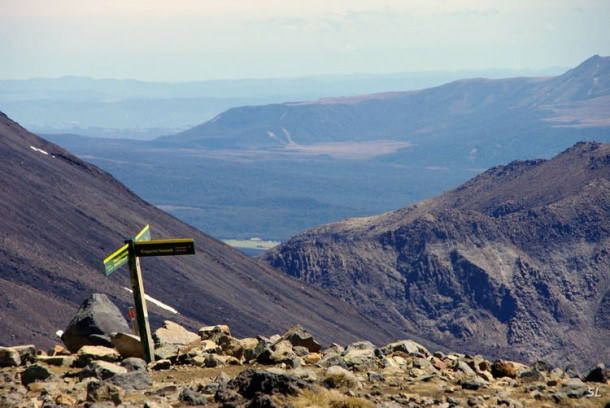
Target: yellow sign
119 257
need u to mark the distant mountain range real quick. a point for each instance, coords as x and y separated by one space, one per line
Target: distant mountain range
60 217
273 171
476 113
133 109
515 262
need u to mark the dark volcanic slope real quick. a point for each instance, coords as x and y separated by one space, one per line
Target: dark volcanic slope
514 262
60 217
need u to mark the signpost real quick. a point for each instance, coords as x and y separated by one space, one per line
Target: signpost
141 245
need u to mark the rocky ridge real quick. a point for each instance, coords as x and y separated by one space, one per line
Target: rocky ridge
213 368
513 263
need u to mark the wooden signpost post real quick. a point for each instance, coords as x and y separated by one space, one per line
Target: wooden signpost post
141 245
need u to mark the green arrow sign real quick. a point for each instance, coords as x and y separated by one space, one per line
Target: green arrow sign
119 257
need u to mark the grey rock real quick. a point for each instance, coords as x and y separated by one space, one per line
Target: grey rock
101 370
132 380
360 345
263 346
574 388
168 352
509 403
532 376
464 368
189 396
334 349
361 358
409 347
27 353
12 399
572 372
134 364
330 360
96 316
98 391
473 384
299 337
9 357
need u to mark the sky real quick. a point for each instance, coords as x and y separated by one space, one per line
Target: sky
186 40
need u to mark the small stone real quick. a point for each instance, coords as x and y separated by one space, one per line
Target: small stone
574 388
501 369
532 376
312 358
128 345
169 352
98 391
155 404
212 361
35 372
334 349
173 334
86 354
472 385
59 361
477 401
213 332
409 347
572 372
27 353
189 396
9 357
337 377
299 337
101 370
161 365
484 365
58 350
210 346
464 368
65 400
132 380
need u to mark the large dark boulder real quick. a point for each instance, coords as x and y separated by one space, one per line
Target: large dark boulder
93 324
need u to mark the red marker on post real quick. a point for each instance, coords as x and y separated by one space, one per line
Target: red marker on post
134 325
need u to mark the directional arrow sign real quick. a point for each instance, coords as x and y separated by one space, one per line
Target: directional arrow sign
131 252
162 247
119 257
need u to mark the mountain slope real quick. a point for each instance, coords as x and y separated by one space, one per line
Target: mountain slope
515 262
440 112
62 216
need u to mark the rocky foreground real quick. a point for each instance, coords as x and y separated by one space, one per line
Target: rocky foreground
213 368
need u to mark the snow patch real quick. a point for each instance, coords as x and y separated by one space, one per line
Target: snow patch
156 302
39 150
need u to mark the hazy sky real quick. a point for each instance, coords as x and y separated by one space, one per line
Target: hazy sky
179 40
